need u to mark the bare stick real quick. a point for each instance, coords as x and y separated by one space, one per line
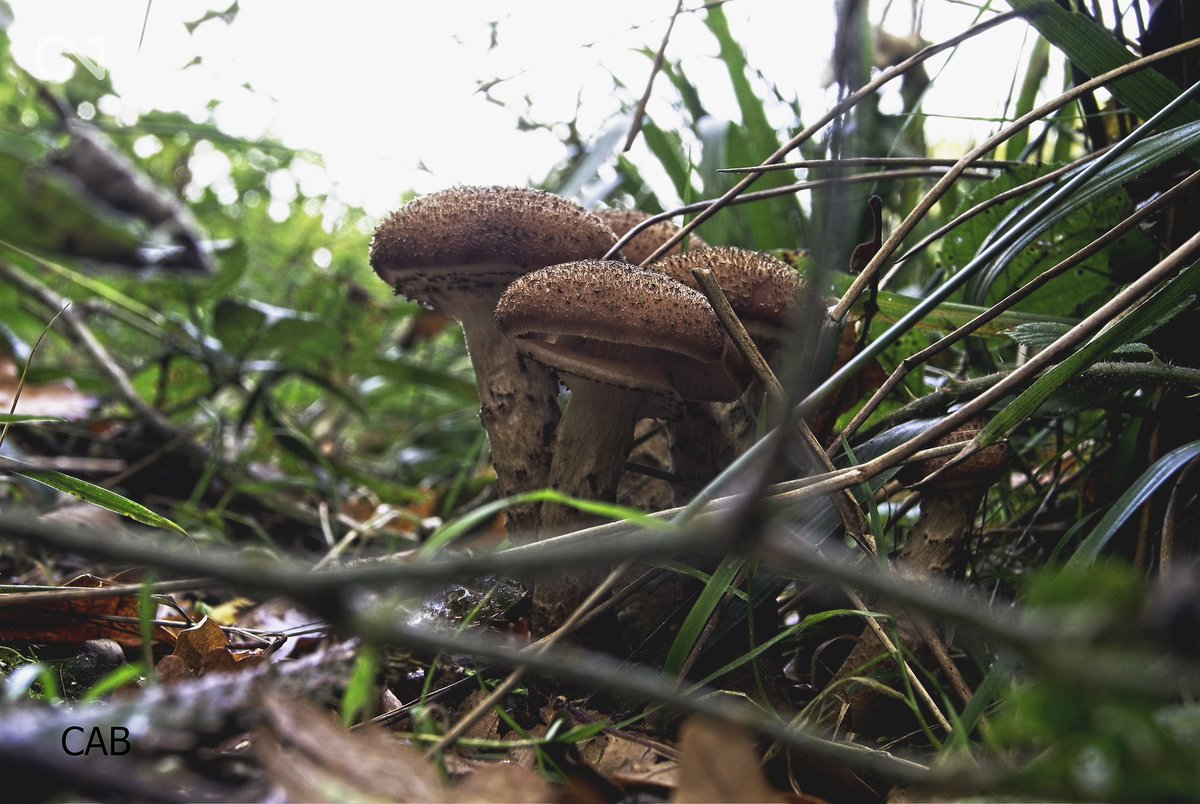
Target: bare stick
909 363
850 101
636 125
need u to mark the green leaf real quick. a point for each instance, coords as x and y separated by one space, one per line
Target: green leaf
360 690
667 148
123 676
1129 502
1035 74
1094 51
1092 207
1150 313
1072 294
949 315
1040 334
406 372
101 497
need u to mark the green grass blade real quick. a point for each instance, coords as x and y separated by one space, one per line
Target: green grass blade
1035 74
703 609
21 418
1129 502
476 517
1094 51
102 497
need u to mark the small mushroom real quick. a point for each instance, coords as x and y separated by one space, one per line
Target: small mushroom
456 251
950 494
935 548
649 239
763 291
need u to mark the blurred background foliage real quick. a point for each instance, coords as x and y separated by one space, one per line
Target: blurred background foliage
309 394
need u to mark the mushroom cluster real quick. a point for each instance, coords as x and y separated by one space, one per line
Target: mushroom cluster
523 272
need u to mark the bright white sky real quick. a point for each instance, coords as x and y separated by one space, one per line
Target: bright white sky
380 89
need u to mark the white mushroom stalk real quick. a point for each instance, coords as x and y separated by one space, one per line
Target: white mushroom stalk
456 251
646 493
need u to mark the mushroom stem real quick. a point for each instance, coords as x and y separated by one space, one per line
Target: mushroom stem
594 439
593 442
704 440
518 408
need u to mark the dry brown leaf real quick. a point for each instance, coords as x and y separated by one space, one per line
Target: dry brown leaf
171 669
60 398
502 781
312 758
719 762
193 643
203 649
629 764
486 727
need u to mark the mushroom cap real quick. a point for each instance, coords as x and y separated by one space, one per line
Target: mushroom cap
981 469
615 323
761 289
478 239
646 241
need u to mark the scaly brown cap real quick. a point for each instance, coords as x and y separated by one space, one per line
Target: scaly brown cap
612 322
981 469
646 241
478 239
761 289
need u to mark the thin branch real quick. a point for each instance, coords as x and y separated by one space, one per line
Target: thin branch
849 102
636 124
872 161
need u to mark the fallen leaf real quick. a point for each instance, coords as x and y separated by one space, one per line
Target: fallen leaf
719 762
502 781
629 764
60 398
202 649
308 754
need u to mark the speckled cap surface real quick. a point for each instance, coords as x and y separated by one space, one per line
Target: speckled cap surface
759 287
481 238
647 240
617 323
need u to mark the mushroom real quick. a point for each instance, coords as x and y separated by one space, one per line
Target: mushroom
629 343
950 496
456 251
649 239
763 291
651 442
